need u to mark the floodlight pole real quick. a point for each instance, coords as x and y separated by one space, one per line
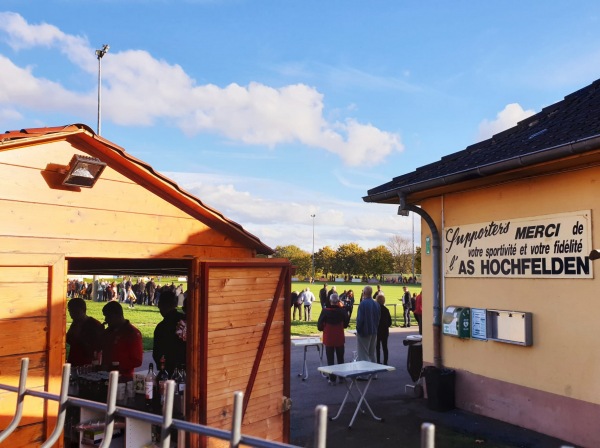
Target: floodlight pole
100 54
313 248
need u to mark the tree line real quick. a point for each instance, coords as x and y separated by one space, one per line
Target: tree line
350 260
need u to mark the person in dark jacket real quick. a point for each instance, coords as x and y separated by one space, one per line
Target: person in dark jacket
169 334
383 331
84 335
332 322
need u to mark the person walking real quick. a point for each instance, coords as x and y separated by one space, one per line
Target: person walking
367 323
332 322
383 331
406 307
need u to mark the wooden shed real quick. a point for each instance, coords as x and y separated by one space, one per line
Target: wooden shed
134 220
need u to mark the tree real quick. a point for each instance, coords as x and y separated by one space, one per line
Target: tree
418 260
298 257
348 259
324 259
402 251
378 261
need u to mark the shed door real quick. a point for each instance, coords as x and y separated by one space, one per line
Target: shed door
242 325
32 324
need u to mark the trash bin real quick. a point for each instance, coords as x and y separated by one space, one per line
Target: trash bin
440 388
414 359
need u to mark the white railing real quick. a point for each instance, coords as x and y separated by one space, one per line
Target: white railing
165 421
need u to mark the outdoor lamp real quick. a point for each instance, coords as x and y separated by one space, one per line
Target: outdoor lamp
594 254
83 171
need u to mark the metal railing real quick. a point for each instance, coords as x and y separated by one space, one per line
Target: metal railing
165 421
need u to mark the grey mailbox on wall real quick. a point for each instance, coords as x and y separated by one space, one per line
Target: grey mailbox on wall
513 327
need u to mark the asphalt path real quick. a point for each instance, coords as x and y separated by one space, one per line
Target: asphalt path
402 411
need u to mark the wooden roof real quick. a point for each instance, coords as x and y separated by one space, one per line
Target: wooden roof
84 138
569 127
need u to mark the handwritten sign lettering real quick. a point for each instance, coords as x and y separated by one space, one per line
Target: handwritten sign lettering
548 246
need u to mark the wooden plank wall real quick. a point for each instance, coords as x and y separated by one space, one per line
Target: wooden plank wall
115 218
239 302
23 332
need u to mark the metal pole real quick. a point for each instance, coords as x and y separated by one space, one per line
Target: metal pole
99 94
313 248
413 246
100 54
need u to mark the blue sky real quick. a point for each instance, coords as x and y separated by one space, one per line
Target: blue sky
271 111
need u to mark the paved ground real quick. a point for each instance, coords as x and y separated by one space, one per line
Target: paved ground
403 413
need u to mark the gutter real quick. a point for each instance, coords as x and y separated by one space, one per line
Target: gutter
436 274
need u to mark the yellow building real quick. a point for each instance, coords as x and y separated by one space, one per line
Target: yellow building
507 230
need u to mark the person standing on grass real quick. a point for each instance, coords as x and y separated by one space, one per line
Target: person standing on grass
349 303
323 296
383 331
307 299
406 307
367 324
332 322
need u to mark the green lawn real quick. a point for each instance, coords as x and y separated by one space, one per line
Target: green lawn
393 295
145 317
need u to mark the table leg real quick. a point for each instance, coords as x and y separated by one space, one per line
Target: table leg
304 373
363 398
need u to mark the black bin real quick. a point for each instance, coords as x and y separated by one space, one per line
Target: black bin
440 388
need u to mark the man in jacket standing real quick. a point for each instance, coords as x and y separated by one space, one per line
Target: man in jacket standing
367 323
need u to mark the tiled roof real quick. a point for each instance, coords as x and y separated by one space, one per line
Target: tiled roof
574 119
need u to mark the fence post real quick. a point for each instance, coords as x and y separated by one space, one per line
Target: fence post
62 407
427 435
111 400
20 396
236 421
320 426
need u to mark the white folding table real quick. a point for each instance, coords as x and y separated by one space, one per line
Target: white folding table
352 371
308 342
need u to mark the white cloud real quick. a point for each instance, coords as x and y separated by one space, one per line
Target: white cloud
505 119
286 219
139 90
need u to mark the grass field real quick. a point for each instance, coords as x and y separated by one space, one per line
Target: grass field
145 317
393 296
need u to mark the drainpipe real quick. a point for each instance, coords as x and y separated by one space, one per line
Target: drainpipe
403 209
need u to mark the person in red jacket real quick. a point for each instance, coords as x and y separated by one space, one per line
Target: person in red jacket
332 322
121 342
418 312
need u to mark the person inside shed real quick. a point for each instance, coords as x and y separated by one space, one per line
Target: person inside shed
84 335
121 342
170 333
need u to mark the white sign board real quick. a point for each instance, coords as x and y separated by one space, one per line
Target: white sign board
479 324
550 246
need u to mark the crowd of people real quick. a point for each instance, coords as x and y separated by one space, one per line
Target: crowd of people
142 292
116 344
373 320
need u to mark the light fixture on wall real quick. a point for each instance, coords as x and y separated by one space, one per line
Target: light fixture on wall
83 171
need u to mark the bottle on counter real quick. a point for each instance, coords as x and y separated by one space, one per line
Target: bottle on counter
179 379
149 385
161 379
